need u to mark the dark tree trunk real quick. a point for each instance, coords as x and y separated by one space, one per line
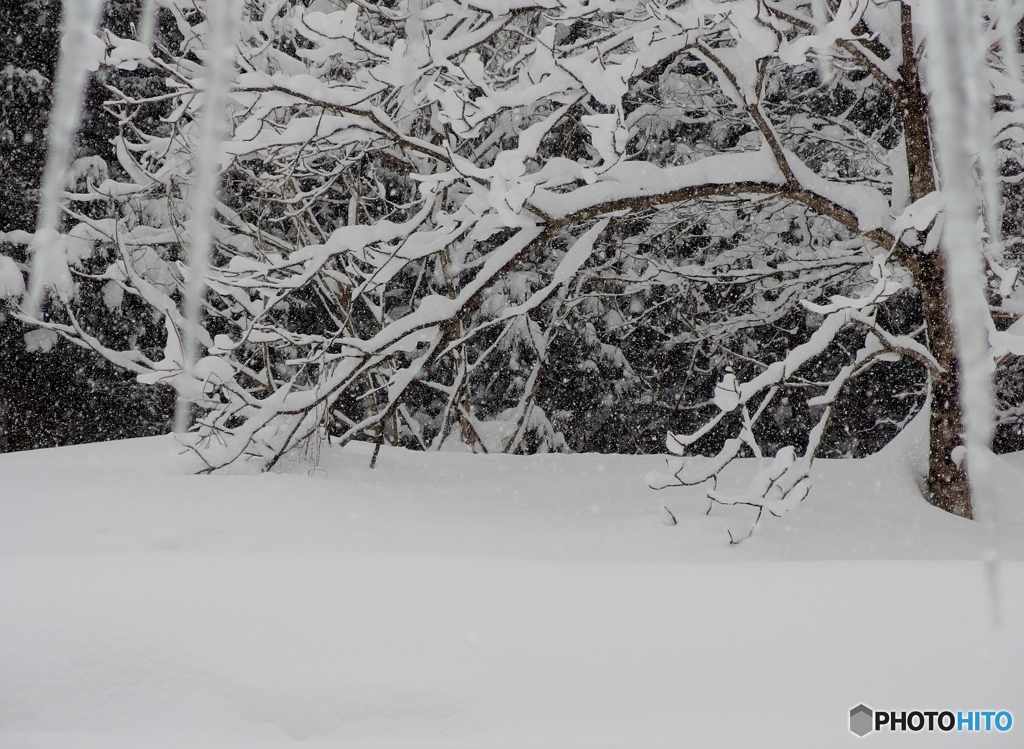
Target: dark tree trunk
948 487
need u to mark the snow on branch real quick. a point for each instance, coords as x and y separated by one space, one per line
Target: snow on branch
430 207
785 482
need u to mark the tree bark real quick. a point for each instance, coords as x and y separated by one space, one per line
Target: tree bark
948 487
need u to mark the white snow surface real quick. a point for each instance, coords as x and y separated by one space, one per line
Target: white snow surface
454 600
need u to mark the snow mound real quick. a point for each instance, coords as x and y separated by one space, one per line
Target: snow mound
450 600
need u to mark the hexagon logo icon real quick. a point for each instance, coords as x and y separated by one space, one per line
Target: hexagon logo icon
861 720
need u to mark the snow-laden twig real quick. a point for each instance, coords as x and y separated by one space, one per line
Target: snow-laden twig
785 482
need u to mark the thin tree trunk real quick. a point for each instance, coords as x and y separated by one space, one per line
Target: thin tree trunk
948 487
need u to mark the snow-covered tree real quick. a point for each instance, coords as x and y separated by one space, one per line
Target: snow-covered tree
426 204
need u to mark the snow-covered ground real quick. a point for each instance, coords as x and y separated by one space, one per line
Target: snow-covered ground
450 600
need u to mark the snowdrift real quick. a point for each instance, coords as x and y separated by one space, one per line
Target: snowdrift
448 600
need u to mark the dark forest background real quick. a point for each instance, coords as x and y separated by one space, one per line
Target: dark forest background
67 395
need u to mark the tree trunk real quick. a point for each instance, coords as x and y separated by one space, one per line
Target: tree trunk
948 487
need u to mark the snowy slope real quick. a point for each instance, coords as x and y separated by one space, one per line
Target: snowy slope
475 601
